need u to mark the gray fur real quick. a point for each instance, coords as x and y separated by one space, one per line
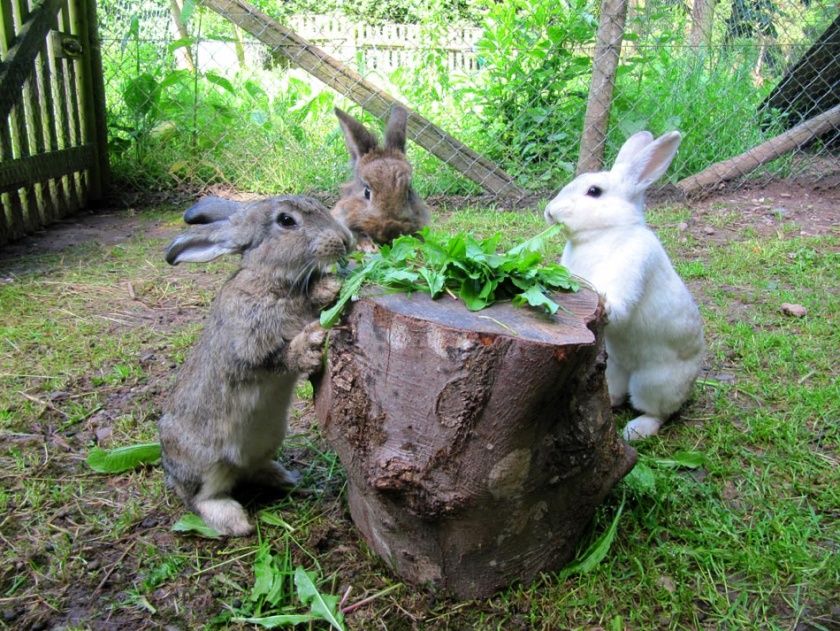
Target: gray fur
227 414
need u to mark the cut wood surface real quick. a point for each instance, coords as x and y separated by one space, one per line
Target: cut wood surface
477 444
763 153
352 85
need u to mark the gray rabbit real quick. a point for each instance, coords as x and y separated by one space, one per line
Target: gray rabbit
227 414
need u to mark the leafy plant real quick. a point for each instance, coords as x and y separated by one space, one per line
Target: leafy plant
194 524
270 601
123 458
463 266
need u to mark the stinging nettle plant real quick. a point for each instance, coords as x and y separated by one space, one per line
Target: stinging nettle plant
461 266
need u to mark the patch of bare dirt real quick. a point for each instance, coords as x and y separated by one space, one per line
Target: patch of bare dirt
814 211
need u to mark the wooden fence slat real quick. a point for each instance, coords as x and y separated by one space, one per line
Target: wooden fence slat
62 115
14 202
96 132
352 85
44 77
77 184
15 69
21 116
40 168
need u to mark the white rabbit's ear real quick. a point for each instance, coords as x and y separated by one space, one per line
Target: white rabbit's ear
631 148
210 210
202 244
651 161
395 131
358 139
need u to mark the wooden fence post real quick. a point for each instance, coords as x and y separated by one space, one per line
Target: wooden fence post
95 113
604 64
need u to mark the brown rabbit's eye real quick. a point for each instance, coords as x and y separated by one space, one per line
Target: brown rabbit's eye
287 221
594 191
367 192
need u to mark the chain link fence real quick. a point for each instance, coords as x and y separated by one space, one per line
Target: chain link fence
199 97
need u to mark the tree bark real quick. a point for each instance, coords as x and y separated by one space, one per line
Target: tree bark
765 152
477 445
702 19
599 103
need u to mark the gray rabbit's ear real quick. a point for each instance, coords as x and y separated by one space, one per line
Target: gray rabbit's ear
395 131
210 210
358 139
202 244
651 161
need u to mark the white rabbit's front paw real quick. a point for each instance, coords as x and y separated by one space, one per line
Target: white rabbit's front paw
306 349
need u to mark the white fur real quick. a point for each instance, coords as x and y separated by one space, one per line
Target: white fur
654 334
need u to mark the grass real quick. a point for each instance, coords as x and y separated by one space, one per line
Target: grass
88 350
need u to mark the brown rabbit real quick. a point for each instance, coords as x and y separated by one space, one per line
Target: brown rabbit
379 203
227 414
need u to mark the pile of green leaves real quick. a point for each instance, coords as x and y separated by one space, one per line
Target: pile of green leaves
462 266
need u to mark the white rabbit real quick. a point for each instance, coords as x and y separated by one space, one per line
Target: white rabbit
654 335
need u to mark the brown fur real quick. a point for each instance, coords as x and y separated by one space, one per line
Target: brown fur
392 208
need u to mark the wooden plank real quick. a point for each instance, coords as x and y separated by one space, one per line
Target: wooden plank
71 78
40 168
61 112
378 102
763 153
14 218
604 66
35 119
810 86
18 63
94 99
21 117
44 76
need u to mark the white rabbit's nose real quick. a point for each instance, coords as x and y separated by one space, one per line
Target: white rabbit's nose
549 214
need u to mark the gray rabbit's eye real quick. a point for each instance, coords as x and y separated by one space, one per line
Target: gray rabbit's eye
594 191
367 192
287 221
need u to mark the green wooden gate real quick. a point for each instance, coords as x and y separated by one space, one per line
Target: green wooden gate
53 145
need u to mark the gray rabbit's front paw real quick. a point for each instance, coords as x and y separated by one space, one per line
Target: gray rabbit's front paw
306 349
324 291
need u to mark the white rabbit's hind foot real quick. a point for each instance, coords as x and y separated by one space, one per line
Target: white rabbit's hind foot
225 515
641 427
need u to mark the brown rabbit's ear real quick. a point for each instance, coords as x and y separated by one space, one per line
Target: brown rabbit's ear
395 131
358 139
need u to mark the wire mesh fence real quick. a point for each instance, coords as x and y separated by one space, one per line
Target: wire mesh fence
198 96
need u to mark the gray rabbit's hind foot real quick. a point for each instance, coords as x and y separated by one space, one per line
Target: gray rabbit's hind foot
225 515
274 475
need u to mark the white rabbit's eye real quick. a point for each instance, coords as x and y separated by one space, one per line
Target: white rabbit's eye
287 221
594 191
367 192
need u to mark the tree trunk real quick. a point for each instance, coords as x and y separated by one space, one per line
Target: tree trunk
477 445
599 102
177 19
702 18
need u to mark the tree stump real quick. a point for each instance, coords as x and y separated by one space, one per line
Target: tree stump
477 445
